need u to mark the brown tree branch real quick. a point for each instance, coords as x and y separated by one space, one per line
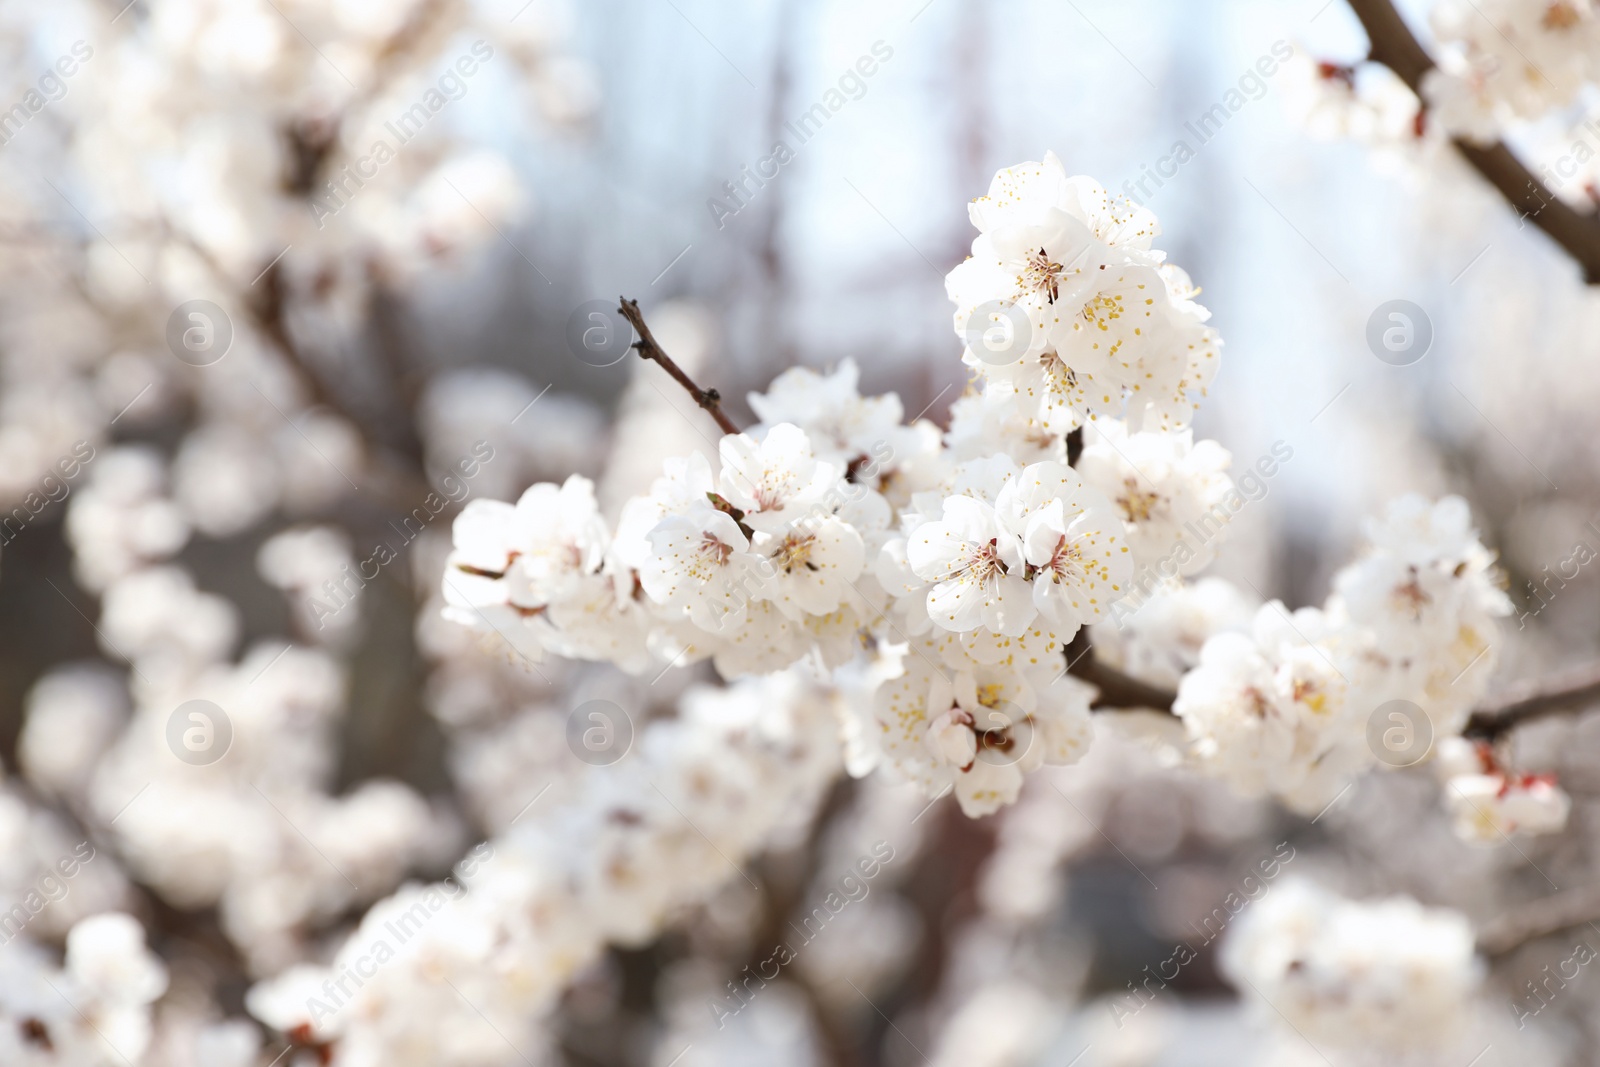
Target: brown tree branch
1578 233
782 904
1118 691
1540 918
646 346
1572 690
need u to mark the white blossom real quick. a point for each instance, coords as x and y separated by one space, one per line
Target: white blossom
1387 975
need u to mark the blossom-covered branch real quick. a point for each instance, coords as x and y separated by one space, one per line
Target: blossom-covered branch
1577 232
1572 691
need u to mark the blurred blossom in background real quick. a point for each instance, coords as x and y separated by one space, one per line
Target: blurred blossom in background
318 751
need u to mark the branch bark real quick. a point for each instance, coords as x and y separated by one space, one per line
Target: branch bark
1118 691
1578 233
1540 918
1568 691
708 399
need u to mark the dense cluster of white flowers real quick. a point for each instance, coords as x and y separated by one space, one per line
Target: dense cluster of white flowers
876 592
448 974
192 150
94 1011
1387 976
1286 707
320 168
833 531
1503 61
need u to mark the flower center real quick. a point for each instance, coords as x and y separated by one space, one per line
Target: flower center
1060 379
718 552
1103 310
1310 694
1041 274
1064 562
1137 506
795 551
985 562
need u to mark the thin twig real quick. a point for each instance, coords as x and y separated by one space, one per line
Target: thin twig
1578 233
647 347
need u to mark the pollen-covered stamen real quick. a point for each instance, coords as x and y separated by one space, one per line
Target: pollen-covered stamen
1041 274
1064 562
1137 505
716 551
1103 310
795 551
984 563
1310 693
1061 379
